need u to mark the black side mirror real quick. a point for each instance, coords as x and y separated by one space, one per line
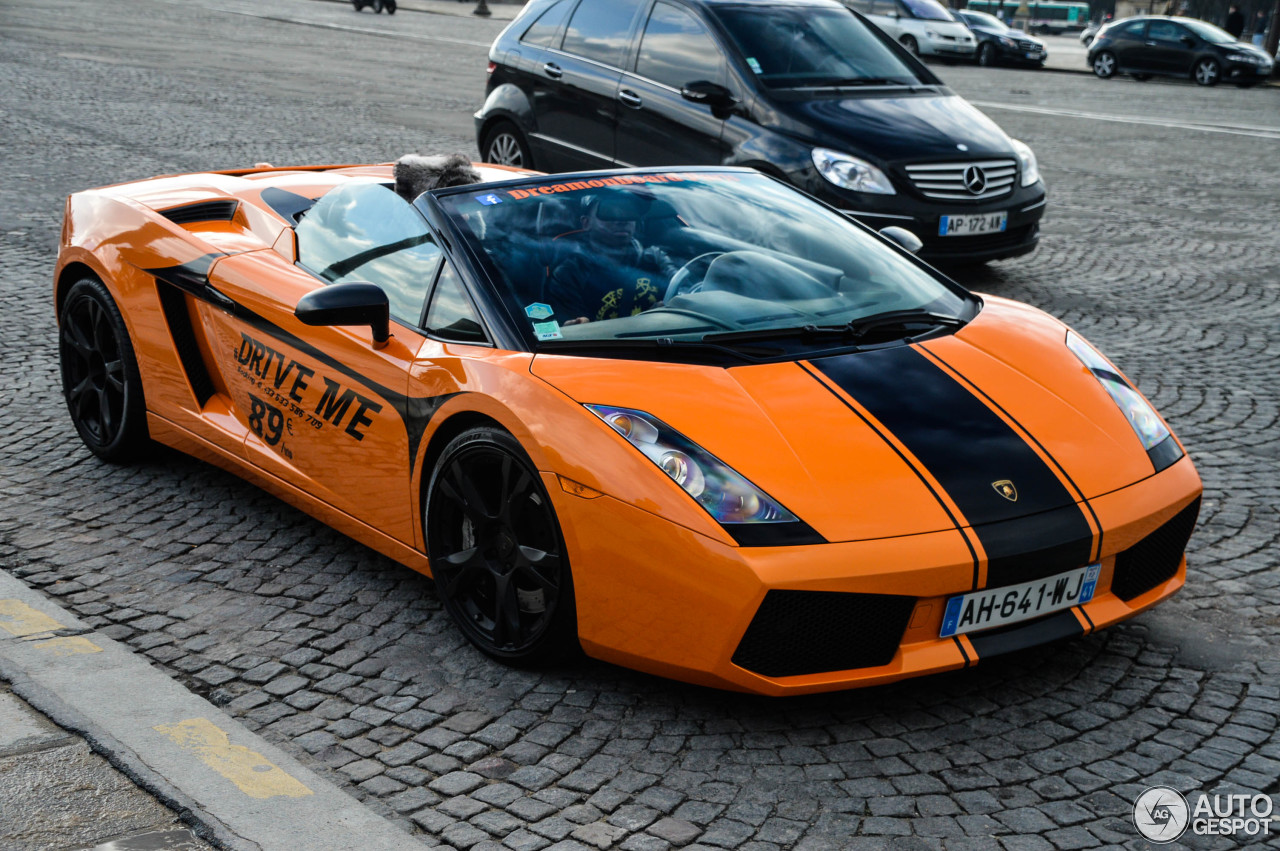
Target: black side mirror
1188 41
354 303
902 237
714 95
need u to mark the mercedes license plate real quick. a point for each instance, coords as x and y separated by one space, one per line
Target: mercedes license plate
969 224
1012 603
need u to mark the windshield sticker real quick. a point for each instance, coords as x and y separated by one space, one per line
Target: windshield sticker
755 66
538 310
547 330
489 200
620 180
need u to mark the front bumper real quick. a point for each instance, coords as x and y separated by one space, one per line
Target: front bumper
664 599
948 48
1025 206
1246 72
1020 55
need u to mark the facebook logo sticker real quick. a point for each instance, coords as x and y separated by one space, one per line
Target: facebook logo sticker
489 200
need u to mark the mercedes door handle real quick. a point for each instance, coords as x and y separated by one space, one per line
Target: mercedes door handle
552 70
630 98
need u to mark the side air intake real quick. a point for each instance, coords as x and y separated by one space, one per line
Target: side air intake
203 211
1155 558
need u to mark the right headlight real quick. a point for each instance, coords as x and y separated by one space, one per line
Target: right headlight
721 491
850 172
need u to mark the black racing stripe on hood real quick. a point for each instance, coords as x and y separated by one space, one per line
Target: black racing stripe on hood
967 447
928 486
415 411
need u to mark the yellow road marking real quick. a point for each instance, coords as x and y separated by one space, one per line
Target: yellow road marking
68 646
253 773
17 618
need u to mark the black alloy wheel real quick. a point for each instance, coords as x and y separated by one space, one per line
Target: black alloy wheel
496 551
987 54
506 145
100 379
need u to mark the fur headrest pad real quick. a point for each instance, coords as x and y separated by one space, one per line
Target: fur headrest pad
416 174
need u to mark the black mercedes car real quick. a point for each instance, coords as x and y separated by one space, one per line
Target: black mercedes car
1177 47
805 90
1001 45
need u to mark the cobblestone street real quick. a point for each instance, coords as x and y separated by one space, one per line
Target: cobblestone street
1159 246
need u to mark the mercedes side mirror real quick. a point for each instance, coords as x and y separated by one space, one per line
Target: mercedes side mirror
707 93
1188 41
902 237
353 303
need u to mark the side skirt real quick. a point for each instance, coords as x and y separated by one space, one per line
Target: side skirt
164 431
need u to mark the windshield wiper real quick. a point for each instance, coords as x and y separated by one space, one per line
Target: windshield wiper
862 81
854 331
663 344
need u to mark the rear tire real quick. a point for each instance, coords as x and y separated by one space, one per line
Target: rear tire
1104 65
100 378
504 144
496 550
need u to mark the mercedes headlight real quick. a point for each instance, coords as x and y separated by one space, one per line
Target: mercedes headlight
722 492
1008 42
1030 168
1146 424
850 172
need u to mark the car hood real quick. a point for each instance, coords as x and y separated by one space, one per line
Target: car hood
911 127
896 441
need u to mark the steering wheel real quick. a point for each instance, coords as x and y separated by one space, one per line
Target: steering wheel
688 278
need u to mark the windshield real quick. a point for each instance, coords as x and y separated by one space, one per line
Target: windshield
684 258
982 19
1208 32
928 10
789 47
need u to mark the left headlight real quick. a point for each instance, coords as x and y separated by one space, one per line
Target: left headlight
1030 168
851 172
1146 424
724 493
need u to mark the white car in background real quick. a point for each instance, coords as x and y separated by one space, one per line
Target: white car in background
924 27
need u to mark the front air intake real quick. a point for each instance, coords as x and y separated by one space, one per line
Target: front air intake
1155 558
813 632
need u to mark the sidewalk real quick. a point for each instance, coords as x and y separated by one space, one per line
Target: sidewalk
57 793
65 688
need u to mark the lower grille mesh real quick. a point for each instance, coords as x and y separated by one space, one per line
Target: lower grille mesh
812 632
1155 558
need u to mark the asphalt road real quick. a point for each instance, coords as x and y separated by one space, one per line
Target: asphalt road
1159 246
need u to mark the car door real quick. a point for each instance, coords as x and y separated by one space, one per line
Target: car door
656 124
1167 51
1130 46
537 72
325 408
577 119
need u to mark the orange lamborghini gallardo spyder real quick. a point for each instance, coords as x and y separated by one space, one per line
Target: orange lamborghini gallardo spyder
691 420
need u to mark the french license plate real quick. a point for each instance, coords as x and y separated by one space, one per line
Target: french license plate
967 225
1012 603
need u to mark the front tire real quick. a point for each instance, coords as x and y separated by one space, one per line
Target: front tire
986 54
1206 72
496 550
100 378
912 46
505 145
1104 65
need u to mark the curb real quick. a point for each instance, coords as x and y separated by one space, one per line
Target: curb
238 791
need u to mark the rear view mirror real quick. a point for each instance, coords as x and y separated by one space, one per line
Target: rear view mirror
714 95
354 303
902 237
